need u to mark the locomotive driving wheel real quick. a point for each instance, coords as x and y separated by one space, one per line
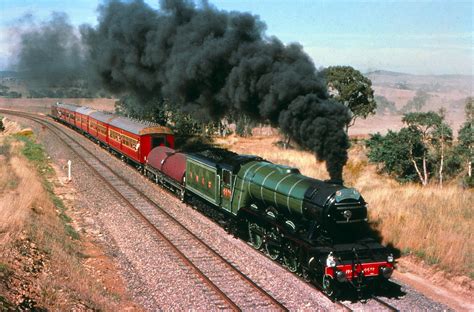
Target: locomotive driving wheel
290 257
273 243
255 235
328 285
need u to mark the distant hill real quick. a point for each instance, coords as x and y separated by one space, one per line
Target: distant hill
428 83
386 73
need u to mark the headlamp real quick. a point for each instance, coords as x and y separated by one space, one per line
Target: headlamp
390 258
331 261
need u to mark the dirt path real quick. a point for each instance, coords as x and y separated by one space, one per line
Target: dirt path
455 292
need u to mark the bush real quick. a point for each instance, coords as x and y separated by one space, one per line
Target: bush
391 150
244 127
2 127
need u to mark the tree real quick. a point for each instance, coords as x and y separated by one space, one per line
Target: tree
466 138
416 103
442 140
384 106
348 86
391 152
2 127
423 146
426 124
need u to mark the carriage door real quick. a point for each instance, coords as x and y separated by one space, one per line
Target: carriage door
226 189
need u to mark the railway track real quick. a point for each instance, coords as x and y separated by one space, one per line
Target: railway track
228 287
384 304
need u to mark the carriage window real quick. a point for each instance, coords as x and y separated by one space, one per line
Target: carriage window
157 141
226 176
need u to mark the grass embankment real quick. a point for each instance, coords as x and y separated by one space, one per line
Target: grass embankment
40 252
434 224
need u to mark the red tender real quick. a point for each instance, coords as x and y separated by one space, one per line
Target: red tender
169 162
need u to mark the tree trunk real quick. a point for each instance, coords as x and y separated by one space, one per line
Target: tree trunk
420 176
469 168
287 142
441 166
425 172
418 171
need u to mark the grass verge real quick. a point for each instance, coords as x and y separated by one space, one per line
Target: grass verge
41 254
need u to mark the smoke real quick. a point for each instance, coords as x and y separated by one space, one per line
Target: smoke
50 53
212 63
209 62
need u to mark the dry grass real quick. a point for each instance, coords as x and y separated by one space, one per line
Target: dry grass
43 105
266 148
30 212
22 192
432 223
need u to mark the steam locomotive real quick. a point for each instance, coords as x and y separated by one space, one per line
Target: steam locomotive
317 229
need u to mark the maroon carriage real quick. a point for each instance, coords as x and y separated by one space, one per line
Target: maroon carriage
99 125
82 118
65 112
135 139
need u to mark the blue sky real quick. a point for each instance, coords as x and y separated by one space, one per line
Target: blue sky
420 37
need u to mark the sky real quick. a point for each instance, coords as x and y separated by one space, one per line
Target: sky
417 37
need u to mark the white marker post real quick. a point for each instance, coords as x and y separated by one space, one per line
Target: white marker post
69 163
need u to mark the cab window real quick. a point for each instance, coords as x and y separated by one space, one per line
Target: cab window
226 177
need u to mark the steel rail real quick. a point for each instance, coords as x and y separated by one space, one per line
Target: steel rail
385 304
169 216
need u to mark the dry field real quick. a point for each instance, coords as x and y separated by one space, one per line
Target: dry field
431 223
448 92
43 105
41 255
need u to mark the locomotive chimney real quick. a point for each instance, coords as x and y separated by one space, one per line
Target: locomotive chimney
335 181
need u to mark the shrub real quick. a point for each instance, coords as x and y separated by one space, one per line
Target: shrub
2 127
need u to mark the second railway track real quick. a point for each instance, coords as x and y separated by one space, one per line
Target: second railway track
230 288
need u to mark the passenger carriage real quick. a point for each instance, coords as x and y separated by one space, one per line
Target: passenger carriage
99 126
82 118
65 112
135 139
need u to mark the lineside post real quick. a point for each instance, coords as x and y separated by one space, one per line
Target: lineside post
69 177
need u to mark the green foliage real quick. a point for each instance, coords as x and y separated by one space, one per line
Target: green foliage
35 154
71 92
243 126
154 110
165 113
391 150
2 127
417 102
348 86
466 140
465 145
384 106
426 139
469 109
8 94
425 122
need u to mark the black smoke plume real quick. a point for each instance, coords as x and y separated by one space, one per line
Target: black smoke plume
49 53
212 63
